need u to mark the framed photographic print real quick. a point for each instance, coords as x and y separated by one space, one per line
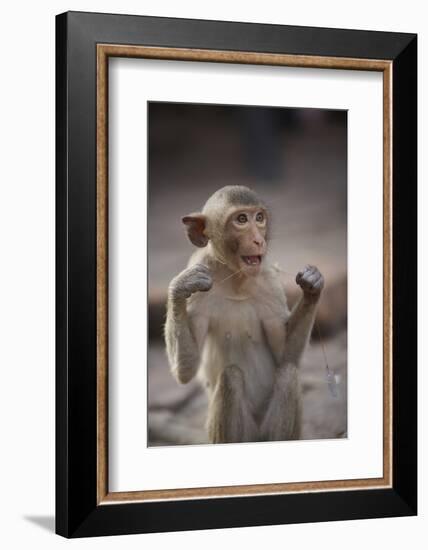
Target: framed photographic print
236 274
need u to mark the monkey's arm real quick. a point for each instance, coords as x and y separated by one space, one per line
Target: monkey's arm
181 346
300 323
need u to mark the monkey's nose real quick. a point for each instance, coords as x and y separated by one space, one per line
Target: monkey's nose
257 242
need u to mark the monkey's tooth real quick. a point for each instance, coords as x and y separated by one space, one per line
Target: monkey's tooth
252 260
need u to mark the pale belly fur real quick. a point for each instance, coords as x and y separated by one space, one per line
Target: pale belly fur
238 339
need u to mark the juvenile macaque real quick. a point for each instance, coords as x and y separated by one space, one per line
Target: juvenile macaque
228 322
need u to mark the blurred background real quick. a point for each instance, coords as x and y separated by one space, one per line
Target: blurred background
296 160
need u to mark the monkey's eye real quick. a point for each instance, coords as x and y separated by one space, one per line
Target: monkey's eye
242 218
260 217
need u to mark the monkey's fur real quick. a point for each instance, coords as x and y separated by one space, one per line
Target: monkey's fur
228 322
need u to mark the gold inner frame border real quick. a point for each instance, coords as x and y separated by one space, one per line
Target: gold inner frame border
104 52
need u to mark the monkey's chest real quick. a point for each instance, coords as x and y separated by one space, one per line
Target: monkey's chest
239 337
236 330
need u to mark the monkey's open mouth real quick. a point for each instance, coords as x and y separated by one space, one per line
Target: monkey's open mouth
252 260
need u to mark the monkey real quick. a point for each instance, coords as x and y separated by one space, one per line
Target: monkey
228 323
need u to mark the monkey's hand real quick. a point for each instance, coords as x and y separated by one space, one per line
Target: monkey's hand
196 278
311 281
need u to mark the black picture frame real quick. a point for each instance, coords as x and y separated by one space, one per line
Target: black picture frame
78 513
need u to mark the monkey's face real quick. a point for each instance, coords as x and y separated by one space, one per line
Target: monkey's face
235 223
245 239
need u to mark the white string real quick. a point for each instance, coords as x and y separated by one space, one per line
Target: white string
230 276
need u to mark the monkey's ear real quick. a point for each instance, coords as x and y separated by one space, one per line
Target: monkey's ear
195 225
